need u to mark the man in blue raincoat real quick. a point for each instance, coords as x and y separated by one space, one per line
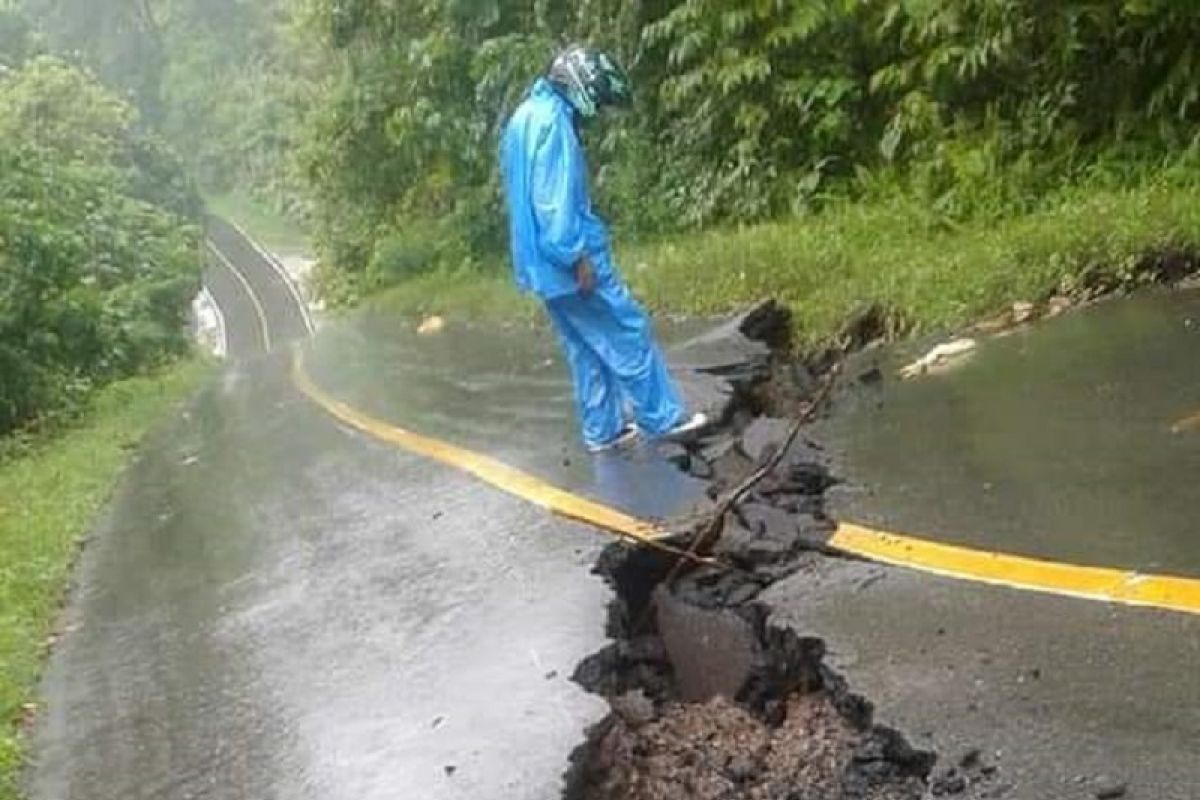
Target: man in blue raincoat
561 253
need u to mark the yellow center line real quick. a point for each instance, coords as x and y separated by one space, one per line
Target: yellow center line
260 312
1002 569
1019 572
498 474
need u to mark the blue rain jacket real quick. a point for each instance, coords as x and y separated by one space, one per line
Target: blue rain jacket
551 221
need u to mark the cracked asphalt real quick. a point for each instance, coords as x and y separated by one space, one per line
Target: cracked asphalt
277 607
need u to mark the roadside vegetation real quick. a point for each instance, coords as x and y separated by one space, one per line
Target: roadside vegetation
99 261
925 274
941 159
833 153
51 489
99 253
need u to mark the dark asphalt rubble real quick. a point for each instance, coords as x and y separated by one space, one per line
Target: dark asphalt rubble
709 698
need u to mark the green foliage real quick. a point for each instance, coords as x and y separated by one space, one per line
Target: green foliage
747 109
378 119
59 108
759 101
233 92
220 79
97 262
121 40
895 252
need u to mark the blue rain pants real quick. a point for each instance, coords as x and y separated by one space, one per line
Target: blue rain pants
609 345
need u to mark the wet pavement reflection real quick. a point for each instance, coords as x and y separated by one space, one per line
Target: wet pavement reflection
1053 441
277 608
501 391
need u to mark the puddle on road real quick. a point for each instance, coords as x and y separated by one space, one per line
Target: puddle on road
1062 440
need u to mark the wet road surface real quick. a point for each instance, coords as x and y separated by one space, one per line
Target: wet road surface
280 306
500 392
243 327
1057 692
276 607
1055 441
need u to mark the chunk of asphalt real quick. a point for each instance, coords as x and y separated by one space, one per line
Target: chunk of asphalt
696 674
710 650
707 394
763 534
763 436
716 449
700 469
730 465
676 453
803 380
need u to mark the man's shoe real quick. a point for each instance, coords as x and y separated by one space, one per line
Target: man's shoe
688 429
627 436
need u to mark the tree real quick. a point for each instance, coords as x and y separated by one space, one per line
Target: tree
98 258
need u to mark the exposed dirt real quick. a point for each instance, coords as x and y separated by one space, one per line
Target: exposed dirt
720 750
709 699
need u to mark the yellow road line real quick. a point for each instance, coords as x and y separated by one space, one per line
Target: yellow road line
1016 572
263 328
486 468
1019 572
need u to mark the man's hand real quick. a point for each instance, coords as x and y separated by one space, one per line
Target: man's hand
585 276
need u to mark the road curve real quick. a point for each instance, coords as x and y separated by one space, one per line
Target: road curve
275 607
262 306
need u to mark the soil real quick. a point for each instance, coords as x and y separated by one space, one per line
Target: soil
718 749
709 699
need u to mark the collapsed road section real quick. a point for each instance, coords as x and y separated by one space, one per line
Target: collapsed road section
710 699
1033 693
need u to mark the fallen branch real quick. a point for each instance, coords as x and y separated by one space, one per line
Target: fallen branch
708 535
669 549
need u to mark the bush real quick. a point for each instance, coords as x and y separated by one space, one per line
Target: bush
98 263
746 111
404 254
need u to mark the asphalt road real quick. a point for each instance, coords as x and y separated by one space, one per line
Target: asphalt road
1054 442
278 607
275 607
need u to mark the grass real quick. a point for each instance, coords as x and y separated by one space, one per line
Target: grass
49 495
465 295
928 275
269 228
